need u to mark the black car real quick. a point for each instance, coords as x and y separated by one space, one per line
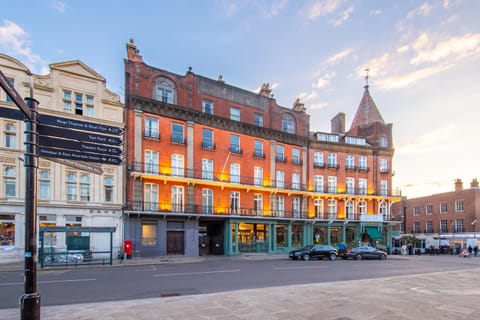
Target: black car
319 251
365 252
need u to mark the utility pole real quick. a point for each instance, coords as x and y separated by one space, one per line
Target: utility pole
30 300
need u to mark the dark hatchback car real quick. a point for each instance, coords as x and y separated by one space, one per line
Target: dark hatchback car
365 252
318 251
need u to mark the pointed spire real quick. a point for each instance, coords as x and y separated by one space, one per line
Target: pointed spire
367 112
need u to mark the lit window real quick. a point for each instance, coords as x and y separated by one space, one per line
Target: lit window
149 233
177 199
235 173
7 230
207 201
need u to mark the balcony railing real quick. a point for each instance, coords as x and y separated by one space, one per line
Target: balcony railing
152 133
178 139
280 158
258 154
153 169
162 208
208 145
319 165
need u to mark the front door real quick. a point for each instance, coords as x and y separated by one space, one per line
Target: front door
175 242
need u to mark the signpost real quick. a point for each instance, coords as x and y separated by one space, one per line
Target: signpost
70 141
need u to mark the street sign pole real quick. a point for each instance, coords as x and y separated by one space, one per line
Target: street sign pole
30 300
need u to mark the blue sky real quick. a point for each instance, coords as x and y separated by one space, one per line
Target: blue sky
423 56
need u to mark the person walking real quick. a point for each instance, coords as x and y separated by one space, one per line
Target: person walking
475 251
470 250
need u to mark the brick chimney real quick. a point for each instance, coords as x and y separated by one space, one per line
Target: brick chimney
458 185
337 124
133 53
474 183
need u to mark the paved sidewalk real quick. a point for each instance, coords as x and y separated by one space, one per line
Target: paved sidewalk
438 296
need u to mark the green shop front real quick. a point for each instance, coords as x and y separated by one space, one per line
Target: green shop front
282 235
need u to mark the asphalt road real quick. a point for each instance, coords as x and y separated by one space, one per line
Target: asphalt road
95 284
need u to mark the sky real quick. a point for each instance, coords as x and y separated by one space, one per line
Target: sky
423 59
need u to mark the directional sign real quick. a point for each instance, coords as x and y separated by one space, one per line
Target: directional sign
79 146
14 95
85 166
77 155
11 114
78 124
78 135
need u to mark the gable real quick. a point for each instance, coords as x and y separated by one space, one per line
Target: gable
77 67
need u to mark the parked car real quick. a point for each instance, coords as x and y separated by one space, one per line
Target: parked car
319 251
365 252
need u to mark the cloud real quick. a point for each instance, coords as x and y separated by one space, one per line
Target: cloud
226 9
454 48
423 10
319 105
320 8
403 49
60 6
377 66
324 81
343 17
338 56
307 96
275 8
406 79
375 12
435 140
15 41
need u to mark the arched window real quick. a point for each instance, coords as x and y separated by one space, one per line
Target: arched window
164 90
288 123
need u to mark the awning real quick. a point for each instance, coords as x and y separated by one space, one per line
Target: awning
374 233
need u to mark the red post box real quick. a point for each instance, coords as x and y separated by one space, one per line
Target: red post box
127 247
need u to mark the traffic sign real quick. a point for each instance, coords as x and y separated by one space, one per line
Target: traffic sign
78 135
78 145
77 155
79 124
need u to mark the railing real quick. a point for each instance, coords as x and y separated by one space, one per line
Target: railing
167 208
224 177
152 133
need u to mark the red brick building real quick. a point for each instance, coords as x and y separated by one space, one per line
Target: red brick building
216 169
444 219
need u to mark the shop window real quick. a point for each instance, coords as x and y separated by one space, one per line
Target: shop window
7 230
149 233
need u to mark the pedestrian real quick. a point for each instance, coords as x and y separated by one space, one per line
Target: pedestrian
432 250
475 251
470 249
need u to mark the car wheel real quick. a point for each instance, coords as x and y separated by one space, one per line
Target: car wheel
358 257
306 257
383 257
333 256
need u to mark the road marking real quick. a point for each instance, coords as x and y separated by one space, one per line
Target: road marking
48 281
194 273
292 268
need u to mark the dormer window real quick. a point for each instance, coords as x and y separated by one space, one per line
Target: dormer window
383 142
288 123
164 90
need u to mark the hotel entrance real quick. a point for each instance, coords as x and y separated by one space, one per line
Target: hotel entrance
251 237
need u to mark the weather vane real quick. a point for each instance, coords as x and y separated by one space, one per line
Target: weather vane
366 76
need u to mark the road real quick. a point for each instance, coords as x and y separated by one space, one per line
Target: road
94 284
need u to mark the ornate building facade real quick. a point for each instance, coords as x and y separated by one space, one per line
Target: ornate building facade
70 194
216 169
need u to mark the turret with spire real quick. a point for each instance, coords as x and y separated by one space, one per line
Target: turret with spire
369 123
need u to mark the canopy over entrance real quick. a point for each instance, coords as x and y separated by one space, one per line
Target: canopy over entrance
374 233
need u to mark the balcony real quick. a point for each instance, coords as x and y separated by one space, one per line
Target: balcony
363 169
236 149
350 167
319 165
208 145
258 154
280 158
384 170
333 166
297 161
177 139
151 133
